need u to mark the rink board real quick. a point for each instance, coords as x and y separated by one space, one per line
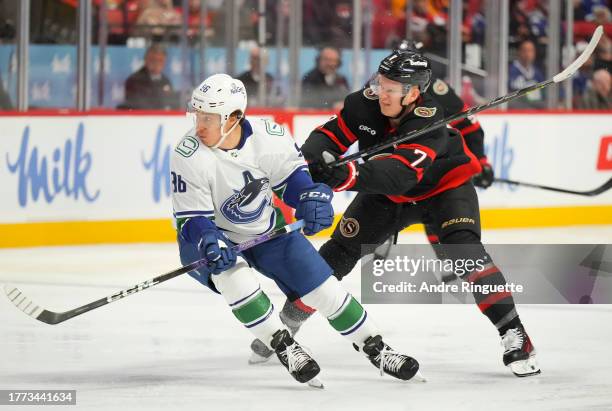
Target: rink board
70 179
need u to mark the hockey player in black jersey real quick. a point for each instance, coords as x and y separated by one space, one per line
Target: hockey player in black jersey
470 130
426 180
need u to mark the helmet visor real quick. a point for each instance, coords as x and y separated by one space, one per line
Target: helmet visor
380 85
207 120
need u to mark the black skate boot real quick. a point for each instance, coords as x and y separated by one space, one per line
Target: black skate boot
388 361
519 353
297 361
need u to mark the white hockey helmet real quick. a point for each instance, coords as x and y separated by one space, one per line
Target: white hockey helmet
220 94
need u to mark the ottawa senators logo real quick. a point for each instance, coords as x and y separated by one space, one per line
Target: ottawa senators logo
425 111
439 87
369 94
349 227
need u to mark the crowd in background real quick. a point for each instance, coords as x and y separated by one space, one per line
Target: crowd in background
329 28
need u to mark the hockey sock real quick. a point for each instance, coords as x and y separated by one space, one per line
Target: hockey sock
497 306
249 304
294 314
342 310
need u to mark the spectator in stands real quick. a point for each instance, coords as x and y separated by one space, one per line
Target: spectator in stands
586 9
156 16
251 78
8 16
601 15
428 24
194 17
323 86
329 23
603 54
149 88
519 24
5 100
599 95
523 73
581 79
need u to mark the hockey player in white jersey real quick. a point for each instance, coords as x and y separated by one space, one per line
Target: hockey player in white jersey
224 172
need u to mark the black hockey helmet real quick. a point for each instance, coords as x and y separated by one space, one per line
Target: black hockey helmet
409 45
407 66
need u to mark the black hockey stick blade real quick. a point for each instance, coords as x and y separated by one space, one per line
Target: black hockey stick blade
565 74
601 189
26 305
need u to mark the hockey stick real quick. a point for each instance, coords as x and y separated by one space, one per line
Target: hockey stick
27 306
601 189
565 74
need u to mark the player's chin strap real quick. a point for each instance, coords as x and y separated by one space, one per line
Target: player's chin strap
224 135
403 110
406 107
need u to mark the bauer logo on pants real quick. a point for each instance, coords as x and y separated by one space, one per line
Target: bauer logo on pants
463 220
349 227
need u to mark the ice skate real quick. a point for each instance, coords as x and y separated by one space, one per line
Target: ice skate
293 357
519 353
292 318
260 352
388 361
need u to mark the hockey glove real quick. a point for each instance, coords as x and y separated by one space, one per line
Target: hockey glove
315 208
339 178
216 248
486 176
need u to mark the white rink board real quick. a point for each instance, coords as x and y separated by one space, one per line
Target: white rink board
119 173
123 167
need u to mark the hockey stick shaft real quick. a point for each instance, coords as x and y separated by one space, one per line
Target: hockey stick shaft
601 189
565 74
27 306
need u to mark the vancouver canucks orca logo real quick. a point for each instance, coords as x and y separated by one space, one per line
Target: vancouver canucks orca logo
235 209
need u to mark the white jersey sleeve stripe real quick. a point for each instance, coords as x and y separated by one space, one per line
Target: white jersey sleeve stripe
203 212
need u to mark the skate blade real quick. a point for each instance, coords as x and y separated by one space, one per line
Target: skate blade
525 368
315 383
419 377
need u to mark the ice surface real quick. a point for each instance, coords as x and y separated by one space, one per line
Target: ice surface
177 346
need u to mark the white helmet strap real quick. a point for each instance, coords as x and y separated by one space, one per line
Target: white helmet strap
225 135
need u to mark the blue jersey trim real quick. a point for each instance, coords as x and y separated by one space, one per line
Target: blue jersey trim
263 319
296 183
247 131
247 297
298 168
195 213
352 330
192 229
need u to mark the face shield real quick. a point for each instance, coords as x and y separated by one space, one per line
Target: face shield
207 120
380 85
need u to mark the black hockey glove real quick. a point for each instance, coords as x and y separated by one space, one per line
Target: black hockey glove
339 177
486 176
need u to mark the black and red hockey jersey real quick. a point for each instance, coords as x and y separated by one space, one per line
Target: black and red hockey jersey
469 127
411 171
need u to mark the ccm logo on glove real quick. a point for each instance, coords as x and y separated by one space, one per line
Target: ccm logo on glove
315 194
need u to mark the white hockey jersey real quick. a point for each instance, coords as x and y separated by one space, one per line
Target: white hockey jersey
234 187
